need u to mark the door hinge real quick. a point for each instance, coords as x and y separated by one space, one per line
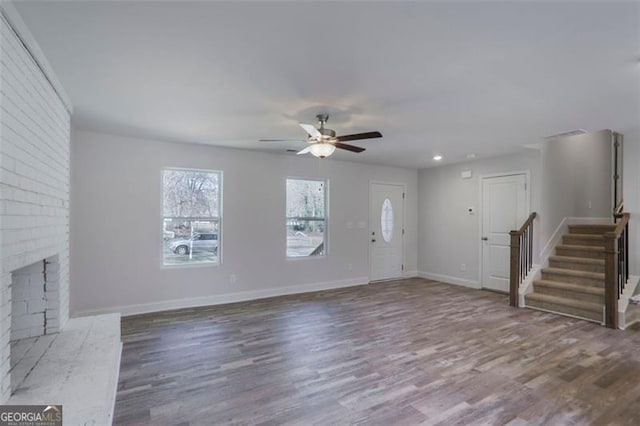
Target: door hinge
402 231
403 267
525 186
403 195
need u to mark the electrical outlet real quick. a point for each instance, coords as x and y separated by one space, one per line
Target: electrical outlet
232 278
350 266
463 267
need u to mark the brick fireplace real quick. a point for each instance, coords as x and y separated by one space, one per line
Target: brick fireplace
35 314
34 300
34 201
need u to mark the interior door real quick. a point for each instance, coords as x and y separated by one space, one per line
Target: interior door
504 208
386 233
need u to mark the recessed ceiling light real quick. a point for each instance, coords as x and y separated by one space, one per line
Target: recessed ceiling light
471 156
437 157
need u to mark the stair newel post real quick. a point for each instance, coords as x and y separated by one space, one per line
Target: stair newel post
514 268
610 280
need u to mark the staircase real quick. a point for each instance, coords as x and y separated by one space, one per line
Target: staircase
573 284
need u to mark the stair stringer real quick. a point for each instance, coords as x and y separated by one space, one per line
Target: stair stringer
526 286
623 302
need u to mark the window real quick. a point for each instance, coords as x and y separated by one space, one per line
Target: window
386 220
306 217
191 216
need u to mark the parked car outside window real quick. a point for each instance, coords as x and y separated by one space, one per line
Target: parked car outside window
201 242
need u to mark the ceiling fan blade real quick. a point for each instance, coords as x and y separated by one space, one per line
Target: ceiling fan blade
304 151
348 147
311 130
357 136
281 140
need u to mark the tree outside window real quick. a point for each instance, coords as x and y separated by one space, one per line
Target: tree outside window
191 216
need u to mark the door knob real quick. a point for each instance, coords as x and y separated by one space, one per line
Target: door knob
373 240
485 239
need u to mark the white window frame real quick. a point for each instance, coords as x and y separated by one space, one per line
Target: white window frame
208 219
325 237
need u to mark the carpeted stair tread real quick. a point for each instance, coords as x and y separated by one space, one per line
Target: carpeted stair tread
578 247
574 273
590 229
573 259
563 301
595 237
569 287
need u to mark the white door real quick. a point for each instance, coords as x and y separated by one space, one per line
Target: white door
504 208
386 233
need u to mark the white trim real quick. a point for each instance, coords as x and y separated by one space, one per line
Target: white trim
16 23
221 299
450 280
554 240
410 274
526 286
623 302
527 197
404 222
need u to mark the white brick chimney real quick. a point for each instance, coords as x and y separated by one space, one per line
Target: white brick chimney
34 195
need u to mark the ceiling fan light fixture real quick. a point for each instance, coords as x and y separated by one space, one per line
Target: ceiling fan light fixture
322 150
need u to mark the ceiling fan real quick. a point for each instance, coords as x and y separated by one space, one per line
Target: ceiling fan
323 141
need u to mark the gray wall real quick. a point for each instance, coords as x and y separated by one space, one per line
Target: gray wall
116 224
447 235
576 179
631 192
570 177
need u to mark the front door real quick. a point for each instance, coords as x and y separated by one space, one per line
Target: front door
386 231
504 208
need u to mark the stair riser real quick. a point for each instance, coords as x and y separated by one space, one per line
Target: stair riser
579 241
594 230
597 316
574 295
580 253
575 266
571 279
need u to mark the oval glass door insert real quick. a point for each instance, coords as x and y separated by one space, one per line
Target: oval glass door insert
386 220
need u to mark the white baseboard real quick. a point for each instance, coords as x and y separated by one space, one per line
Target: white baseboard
220 299
410 274
449 279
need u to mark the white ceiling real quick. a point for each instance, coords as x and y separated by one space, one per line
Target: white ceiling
449 78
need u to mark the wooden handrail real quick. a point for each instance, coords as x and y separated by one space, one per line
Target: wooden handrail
526 223
619 208
617 212
521 257
620 226
616 267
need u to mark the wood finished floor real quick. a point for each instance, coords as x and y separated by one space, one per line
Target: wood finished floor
408 352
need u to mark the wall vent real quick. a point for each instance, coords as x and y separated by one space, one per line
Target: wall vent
565 134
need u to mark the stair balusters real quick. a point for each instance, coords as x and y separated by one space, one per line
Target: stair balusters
616 267
521 257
